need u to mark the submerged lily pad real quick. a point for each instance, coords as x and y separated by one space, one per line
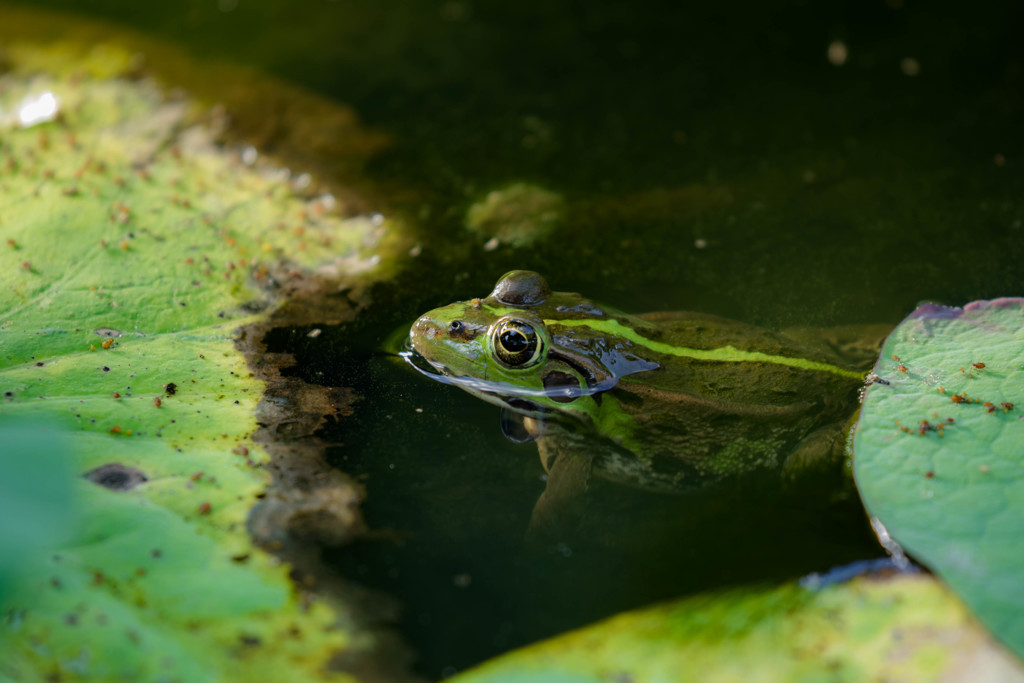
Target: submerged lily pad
518 215
134 248
939 452
904 628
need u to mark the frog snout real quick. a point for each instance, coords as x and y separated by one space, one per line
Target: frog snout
425 327
423 331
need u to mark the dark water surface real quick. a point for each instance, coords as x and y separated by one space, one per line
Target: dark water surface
723 158
450 498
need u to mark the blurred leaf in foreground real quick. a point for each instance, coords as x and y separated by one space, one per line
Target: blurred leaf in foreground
903 628
36 503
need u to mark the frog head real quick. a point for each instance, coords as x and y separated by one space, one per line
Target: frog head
527 348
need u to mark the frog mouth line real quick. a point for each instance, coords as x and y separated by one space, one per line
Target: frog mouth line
479 388
472 384
512 396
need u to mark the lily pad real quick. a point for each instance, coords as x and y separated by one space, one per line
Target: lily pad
939 452
902 628
133 249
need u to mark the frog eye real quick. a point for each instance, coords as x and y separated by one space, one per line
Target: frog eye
515 343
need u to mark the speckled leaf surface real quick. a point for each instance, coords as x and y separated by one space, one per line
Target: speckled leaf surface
132 249
939 452
907 628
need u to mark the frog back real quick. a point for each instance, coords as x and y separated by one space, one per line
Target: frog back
726 398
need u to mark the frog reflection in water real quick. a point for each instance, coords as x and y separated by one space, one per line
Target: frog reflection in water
661 401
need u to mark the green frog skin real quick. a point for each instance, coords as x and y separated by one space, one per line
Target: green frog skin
662 401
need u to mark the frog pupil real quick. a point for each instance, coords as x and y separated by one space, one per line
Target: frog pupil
514 341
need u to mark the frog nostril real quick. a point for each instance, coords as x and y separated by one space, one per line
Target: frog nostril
459 330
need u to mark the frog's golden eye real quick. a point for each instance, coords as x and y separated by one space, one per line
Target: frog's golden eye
516 343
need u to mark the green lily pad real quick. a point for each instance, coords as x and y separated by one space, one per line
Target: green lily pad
133 249
903 628
939 452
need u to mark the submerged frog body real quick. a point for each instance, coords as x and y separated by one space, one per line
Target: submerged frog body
662 401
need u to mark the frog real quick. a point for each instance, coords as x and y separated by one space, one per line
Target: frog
667 402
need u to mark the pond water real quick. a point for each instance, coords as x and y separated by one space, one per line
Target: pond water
781 163
450 499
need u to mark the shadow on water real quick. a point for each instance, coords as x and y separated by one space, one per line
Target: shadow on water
449 499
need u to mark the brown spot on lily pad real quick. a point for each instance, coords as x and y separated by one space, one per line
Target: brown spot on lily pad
117 477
